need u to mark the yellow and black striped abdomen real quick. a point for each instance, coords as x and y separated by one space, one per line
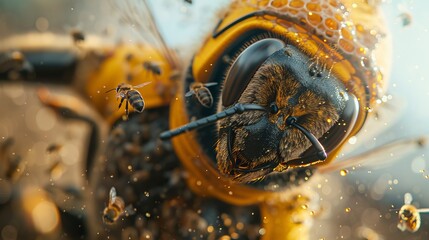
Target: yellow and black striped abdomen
136 100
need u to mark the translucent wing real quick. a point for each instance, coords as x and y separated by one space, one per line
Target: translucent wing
142 85
210 84
189 93
387 112
423 210
378 156
138 16
408 198
112 195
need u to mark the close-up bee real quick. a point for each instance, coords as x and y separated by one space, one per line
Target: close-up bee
128 93
409 215
114 209
202 93
241 134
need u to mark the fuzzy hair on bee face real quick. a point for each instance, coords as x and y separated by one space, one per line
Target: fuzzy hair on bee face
273 85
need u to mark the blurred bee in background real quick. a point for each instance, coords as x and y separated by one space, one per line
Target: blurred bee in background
202 93
12 165
409 215
115 208
152 67
54 148
14 66
127 93
77 35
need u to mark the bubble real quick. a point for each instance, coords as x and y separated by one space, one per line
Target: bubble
42 24
348 210
418 164
9 232
70 154
45 216
344 172
352 140
45 119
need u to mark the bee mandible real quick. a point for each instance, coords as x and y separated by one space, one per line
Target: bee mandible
133 97
202 93
409 215
115 208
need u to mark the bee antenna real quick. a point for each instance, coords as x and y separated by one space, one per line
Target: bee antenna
321 153
237 108
110 90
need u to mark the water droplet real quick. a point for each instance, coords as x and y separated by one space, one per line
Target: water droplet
353 140
344 172
348 210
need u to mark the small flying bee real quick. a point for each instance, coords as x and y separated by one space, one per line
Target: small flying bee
127 92
77 36
14 65
114 209
54 147
409 215
202 93
153 67
406 18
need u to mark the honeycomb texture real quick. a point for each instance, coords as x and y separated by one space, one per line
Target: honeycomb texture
330 21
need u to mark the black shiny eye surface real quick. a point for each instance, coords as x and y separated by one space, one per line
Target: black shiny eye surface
274 108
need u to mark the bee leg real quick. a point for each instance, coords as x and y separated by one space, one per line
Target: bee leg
120 104
126 109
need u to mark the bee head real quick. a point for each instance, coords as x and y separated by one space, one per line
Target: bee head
308 112
278 109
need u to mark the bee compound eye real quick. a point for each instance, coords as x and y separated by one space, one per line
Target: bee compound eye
274 108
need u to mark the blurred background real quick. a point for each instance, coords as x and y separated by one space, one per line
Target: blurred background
49 150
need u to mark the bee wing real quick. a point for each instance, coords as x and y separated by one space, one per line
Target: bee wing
112 195
423 210
189 93
210 84
378 156
408 198
138 16
378 122
142 85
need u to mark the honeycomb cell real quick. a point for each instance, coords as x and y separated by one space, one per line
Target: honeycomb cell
313 7
346 45
331 24
296 4
345 33
279 3
314 18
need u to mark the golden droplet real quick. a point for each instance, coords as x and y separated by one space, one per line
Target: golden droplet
304 206
344 172
348 210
